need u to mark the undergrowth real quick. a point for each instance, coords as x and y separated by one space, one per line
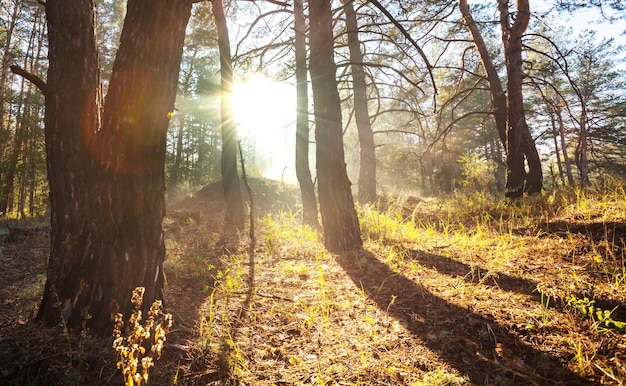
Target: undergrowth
464 290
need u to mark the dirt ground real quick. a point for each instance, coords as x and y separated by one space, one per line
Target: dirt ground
347 319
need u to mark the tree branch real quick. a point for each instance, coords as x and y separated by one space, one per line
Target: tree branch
34 79
409 38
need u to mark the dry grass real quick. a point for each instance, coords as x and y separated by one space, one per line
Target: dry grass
444 292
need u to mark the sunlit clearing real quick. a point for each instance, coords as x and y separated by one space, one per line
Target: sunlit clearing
265 114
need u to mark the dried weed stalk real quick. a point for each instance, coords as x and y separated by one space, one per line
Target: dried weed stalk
135 358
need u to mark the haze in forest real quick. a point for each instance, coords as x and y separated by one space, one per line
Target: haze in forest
459 214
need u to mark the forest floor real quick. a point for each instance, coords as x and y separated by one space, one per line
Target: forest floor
444 292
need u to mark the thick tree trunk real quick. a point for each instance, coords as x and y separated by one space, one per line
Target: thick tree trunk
339 218
534 177
71 120
519 143
367 170
508 109
235 214
107 186
303 170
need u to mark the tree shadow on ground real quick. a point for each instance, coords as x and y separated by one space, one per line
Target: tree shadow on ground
473 344
599 238
609 238
475 274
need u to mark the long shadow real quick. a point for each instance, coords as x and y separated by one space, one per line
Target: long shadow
475 345
605 238
473 274
608 238
596 230
451 267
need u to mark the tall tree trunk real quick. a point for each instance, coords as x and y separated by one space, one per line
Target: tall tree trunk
555 137
235 214
72 118
496 91
107 186
339 218
519 143
367 170
566 159
507 113
4 74
303 170
8 182
534 177
178 157
580 153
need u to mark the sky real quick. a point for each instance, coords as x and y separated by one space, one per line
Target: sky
585 19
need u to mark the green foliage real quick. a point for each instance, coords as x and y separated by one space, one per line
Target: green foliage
478 174
601 319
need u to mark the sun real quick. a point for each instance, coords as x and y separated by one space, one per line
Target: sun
265 114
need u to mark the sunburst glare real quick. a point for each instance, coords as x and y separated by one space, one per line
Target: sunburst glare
265 115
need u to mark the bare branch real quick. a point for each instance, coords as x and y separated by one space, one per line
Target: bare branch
34 79
407 35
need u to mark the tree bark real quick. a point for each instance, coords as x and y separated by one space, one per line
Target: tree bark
235 214
519 143
496 91
303 170
339 218
367 170
107 179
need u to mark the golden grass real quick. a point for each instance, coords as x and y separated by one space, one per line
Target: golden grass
466 290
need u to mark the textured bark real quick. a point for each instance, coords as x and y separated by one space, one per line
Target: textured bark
303 170
519 143
235 214
367 170
496 91
339 218
107 178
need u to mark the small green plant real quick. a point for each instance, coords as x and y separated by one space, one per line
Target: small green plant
602 320
134 358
